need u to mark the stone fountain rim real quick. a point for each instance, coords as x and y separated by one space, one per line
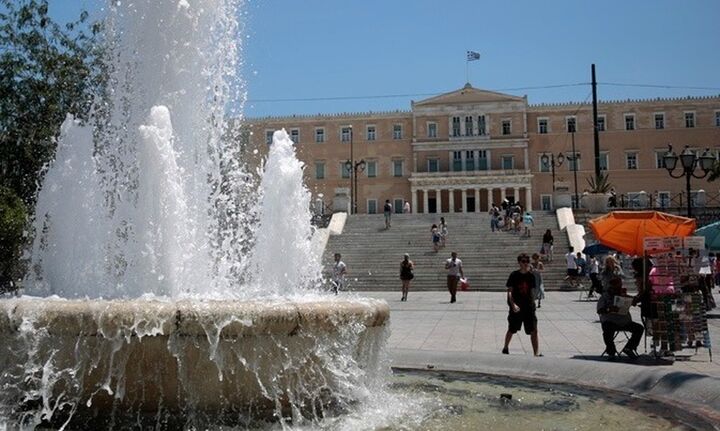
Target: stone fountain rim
237 318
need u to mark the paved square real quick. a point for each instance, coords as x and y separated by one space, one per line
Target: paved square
568 327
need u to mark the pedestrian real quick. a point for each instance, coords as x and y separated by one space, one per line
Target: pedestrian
435 235
455 272
537 270
406 208
387 210
406 274
572 268
443 231
521 304
528 221
581 264
338 274
547 245
610 270
595 285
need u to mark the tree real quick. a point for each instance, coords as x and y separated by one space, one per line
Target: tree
46 71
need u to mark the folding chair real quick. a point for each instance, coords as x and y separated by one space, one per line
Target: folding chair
617 351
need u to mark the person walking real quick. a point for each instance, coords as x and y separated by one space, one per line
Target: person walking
547 245
443 231
455 272
406 274
387 210
406 208
435 235
338 274
528 222
595 285
572 268
494 218
521 304
537 270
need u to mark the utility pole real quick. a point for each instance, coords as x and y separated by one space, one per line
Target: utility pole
596 135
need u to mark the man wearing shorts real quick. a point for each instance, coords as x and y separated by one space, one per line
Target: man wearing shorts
522 307
455 272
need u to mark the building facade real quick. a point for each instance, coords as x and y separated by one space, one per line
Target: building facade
462 151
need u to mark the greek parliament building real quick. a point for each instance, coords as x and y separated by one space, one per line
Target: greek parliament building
463 150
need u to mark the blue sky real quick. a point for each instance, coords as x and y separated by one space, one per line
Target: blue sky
334 49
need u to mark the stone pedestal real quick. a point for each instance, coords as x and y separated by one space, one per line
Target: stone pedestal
341 200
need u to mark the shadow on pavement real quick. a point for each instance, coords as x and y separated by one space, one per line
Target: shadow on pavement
643 360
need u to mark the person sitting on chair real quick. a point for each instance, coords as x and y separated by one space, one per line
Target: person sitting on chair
614 319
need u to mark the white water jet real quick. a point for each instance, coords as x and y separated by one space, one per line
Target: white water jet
154 247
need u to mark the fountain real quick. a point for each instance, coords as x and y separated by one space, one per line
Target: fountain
169 288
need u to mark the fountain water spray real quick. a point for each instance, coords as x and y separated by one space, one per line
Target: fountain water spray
154 246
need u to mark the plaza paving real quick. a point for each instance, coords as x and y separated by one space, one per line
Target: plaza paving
428 325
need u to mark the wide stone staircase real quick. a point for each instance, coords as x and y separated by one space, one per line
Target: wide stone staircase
373 254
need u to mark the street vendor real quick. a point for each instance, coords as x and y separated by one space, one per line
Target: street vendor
615 316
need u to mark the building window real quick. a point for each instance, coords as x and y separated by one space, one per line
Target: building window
660 121
432 130
469 160
543 167
571 124
508 162
717 118
397 168
456 126
601 123
542 126
662 200
269 136
371 169
370 133
295 136
397 131
660 159
398 205
506 127
372 206
345 134
319 170
483 162
604 161
468 126
631 160
689 120
546 202
320 135
457 161
629 121
481 125
433 165
573 161
345 170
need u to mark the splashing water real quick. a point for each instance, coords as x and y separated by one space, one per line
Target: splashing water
153 244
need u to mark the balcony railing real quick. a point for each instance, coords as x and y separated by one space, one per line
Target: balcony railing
494 172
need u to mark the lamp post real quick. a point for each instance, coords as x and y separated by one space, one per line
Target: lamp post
353 165
688 161
552 163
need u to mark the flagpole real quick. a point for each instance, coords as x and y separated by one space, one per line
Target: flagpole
467 71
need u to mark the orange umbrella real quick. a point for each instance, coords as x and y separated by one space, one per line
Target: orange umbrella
625 230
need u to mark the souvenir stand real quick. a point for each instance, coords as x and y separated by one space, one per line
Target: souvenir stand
679 320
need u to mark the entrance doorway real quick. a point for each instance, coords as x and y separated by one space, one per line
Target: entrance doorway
432 205
470 201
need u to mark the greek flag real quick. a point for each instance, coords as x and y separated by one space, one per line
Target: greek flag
472 56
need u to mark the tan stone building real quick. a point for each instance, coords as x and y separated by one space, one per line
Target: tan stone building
463 150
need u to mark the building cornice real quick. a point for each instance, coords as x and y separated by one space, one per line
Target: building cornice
471 179
477 144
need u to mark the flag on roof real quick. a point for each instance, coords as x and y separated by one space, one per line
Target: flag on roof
472 56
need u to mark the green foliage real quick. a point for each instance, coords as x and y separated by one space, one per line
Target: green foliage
46 72
714 172
599 184
13 217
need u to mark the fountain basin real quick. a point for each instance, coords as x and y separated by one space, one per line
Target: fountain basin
163 357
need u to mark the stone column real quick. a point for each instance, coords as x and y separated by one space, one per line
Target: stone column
451 200
516 194
528 198
425 193
463 195
438 199
413 200
490 197
477 200
525 155
502 194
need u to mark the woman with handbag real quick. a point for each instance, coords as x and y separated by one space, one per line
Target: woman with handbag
406 274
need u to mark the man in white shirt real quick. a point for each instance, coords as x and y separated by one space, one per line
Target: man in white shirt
572 268
455 272
339 271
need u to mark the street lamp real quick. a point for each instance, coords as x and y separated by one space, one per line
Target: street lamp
355 166
552 163
689 161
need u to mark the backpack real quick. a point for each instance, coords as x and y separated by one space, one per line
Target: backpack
388 207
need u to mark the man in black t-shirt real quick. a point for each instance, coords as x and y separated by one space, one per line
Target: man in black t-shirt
520 299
